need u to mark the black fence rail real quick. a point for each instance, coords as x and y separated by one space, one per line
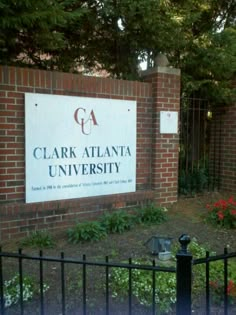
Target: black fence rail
200 146
184 272
84 263
207 261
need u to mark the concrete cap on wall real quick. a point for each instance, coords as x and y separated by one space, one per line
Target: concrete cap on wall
161 65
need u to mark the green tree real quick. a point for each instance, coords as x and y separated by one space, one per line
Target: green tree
206 50
32 31
198 36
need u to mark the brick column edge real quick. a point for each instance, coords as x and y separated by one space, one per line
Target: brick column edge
165 147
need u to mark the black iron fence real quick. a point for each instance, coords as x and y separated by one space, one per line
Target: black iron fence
200 146
184 272
224 258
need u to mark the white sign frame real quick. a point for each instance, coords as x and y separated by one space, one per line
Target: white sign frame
78 147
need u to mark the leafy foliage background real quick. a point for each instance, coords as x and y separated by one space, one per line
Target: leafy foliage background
199 37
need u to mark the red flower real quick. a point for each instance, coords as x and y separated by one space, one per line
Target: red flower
222 212
220 215
231 288
224 204
231 201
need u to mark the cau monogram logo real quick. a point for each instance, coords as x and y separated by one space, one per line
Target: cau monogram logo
85 120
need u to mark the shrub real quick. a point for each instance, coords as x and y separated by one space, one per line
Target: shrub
217 282
142 281
117 222
11 290
152 214
193 181
222 213
166 282
216 277
86 231
39 239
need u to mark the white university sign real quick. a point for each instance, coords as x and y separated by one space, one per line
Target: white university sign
78 147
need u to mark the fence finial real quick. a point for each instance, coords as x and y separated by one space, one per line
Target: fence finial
184 240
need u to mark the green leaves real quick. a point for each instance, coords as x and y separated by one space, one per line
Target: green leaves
165 296
12 290
33 32
27 29
142 282
193 181
117 222
12 293
152 214
38 239
86 231
197 36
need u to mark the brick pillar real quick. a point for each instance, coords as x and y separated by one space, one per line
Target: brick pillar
223 148
166 97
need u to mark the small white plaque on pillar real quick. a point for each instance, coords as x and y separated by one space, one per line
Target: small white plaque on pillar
168 122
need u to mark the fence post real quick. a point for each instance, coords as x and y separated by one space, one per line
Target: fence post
184 277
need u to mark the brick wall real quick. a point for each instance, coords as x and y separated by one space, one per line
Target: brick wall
157 155
223 147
